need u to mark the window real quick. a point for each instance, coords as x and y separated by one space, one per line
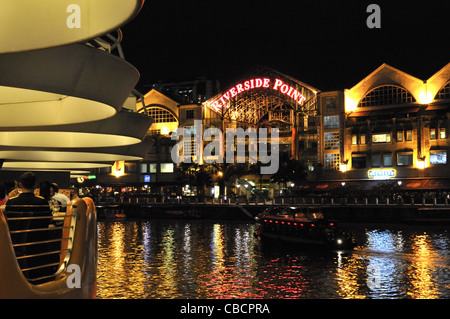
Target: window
387 160
432 133
399 136
438 157
354 139
444 93
143 167
386 95
189 114
331 122
409 135
166 167
376 160
381 138
442 133
160 115
332 161
359 161
152 168
362 139
331 141
330 102
404 159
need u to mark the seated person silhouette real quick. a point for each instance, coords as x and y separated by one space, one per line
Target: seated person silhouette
27 204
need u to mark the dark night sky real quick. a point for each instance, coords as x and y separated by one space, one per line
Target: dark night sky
326 44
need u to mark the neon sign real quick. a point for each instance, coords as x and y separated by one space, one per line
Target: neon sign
276 85
382 173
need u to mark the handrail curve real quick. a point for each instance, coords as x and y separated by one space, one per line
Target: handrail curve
83 253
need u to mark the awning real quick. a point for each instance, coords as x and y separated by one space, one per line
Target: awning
431 184
437 107
413 184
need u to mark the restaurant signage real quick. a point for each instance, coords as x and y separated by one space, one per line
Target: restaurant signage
382 173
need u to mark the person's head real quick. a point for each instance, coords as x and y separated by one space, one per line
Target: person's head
44 190
54 189
27 181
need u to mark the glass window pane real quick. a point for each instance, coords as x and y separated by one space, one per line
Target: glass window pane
387 160
358 161
331 122
404 159
438 157
376 160
166 167
432 133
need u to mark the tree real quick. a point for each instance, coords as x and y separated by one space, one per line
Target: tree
290 170
195 174
389 189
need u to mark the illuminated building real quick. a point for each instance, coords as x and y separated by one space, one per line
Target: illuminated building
389 126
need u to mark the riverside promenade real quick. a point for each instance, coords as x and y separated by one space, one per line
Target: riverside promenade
409 210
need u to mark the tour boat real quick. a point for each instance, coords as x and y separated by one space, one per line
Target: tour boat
302 227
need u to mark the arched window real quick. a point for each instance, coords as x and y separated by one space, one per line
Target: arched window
160 115
444 93
387 95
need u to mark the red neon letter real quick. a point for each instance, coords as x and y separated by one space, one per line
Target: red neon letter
258 83
246 85
266 83
239 88
278 83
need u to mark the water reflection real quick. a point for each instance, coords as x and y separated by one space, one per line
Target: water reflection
177 259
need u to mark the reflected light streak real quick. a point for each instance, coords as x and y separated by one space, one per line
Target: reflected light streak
420 272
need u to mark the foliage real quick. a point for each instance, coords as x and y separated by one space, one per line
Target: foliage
387 189
195 174
290 170
348 191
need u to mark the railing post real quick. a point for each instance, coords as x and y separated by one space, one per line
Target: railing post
366 200
376 201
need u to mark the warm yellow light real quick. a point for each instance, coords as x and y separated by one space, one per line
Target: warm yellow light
425 97
343 168
220 174
420 164
118 169
165 130
350 103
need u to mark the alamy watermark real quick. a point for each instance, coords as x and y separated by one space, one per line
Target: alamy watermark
190 148
74 279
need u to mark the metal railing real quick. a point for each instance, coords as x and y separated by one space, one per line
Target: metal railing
319 201
42 241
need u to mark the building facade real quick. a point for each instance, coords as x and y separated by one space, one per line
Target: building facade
389 126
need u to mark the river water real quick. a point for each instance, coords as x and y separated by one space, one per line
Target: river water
178 259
